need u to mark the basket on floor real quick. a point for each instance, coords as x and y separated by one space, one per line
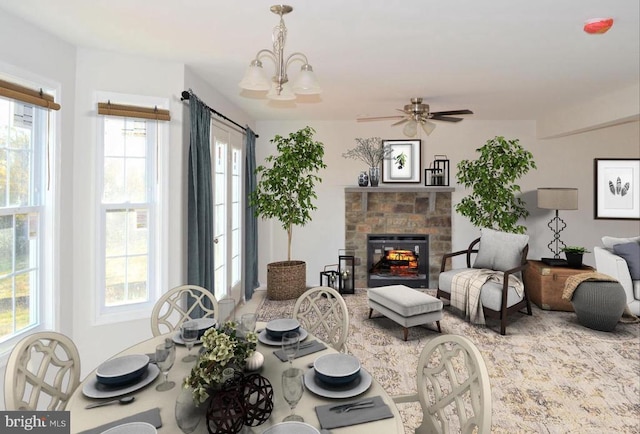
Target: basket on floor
286 279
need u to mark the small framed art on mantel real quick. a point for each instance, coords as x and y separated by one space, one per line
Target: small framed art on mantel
617 188
404 162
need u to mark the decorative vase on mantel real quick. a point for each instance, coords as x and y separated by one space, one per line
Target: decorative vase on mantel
363 179
374 176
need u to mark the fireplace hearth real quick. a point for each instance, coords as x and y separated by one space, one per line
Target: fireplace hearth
398 259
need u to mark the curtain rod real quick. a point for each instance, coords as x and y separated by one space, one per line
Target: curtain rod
186 95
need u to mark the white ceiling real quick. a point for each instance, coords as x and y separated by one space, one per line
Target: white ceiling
503 59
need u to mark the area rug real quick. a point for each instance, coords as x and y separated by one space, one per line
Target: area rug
549 374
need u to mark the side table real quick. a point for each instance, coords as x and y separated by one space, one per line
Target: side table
545 284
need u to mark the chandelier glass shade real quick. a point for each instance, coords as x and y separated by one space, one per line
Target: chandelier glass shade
411 127
278 87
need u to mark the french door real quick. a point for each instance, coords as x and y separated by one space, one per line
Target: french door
227 158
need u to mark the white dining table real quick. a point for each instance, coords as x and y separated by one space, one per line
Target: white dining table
148 397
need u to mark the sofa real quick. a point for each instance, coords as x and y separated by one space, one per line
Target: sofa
620 259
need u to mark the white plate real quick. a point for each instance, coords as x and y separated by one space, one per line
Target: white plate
291 427
93 389
265 339
360 385
177 338
132 428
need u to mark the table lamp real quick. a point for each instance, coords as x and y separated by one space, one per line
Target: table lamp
557 199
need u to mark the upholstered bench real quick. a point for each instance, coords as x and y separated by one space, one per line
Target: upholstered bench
406 306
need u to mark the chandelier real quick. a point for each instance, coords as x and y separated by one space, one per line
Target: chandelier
279 88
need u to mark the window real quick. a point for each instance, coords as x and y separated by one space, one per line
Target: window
127 214
23 237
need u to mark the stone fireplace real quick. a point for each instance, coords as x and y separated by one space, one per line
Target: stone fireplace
398 210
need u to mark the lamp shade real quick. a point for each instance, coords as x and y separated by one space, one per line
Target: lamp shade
410 129
306 83
255 78
428 127
558 198
285 94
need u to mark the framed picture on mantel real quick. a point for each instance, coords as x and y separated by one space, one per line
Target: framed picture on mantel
404 163
617 188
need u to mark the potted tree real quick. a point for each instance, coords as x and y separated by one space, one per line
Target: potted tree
285 191
574 255
493 202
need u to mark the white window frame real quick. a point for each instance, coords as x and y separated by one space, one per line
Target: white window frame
157 151
49 264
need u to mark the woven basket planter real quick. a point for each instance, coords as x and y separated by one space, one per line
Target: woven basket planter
286 279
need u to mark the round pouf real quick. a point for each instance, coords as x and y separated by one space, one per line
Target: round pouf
599 305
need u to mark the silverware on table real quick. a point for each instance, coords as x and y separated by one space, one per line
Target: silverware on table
356 407
340 408
122 401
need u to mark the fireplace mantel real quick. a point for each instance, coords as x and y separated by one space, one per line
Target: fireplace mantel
432 190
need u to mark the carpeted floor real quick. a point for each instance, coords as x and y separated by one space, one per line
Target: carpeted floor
549 374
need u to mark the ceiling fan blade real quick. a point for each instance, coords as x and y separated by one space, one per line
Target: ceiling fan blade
400 122
453 112
379 118
445 118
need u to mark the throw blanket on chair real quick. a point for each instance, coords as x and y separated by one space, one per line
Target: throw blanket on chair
465 291
574 281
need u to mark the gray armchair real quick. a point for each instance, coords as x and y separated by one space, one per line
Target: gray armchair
504 253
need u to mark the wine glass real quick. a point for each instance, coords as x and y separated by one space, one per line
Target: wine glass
165 356
292 388
248 323
290 345
189 334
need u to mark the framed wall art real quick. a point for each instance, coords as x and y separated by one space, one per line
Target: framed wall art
404 162
617 188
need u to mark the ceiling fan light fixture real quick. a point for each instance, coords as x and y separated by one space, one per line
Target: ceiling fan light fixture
410 129
428 127
255 78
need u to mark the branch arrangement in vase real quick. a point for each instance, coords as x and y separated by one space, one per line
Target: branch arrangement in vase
369 150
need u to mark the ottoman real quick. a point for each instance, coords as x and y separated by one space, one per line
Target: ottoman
406 306
599 305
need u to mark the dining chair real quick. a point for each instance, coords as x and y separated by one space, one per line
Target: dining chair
42 372
180 304
323 312
453 387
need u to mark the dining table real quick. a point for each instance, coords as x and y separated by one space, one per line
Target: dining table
148 398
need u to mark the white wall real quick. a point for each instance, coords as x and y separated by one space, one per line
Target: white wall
35 55
562 162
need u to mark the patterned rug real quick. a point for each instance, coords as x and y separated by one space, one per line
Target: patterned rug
549 374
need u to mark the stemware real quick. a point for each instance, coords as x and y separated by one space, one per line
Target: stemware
292 388
165 356
248 323
290 345
226 310
189 334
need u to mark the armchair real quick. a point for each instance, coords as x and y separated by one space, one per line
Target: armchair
617 259
504 253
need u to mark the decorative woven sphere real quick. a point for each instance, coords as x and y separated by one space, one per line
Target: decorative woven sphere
226 411
258 399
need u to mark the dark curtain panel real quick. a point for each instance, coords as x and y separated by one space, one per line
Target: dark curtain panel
251 221
200 207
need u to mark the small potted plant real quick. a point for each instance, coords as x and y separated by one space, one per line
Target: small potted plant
574 255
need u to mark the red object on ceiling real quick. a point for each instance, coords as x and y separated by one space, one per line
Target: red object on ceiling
598 25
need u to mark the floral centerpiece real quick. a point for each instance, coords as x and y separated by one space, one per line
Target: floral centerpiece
222 348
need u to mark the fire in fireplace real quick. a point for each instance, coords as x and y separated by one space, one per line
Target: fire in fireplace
398 260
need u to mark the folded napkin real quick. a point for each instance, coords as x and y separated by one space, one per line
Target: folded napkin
306 348
150 416
330 419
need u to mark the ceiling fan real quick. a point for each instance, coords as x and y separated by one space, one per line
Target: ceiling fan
418 113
